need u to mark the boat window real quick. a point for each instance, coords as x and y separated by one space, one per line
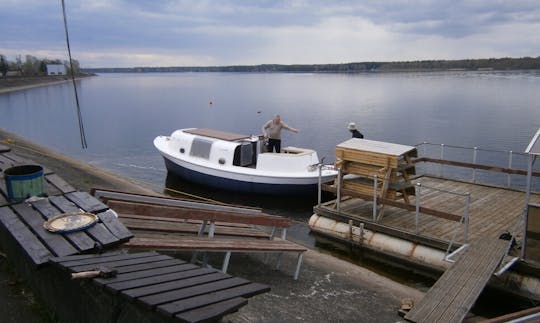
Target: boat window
243 155
200 148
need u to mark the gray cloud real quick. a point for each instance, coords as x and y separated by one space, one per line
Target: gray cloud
170 32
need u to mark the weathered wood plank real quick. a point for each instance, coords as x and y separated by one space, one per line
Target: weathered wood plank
453 295
198 214
60 260
3 192
153 280
207 299
192 278
55 242
59 183
475 166
4 148
115 226
213 312
201 288
107 259
161 242
121 263
109 195
198 222
5 162
148 224
145 273
165 262
31 245
86 202
18 160
99 233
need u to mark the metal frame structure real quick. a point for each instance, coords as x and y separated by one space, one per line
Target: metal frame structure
533 150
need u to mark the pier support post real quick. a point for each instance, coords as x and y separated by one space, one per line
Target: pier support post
375 183
339 180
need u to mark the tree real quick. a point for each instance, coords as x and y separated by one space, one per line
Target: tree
4 65
31 66
19 65
76 67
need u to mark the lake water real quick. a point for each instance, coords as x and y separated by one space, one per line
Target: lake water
124 112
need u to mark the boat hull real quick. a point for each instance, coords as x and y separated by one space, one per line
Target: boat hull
308 187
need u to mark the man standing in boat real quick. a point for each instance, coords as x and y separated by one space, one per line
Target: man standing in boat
272 131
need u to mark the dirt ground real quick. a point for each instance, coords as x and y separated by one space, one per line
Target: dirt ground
328 289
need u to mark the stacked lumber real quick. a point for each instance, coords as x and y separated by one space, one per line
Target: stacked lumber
363 159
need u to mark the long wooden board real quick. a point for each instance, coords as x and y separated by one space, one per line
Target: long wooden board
453 295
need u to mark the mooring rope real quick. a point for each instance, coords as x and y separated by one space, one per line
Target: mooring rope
79 115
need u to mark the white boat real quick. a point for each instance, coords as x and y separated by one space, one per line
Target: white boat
239 162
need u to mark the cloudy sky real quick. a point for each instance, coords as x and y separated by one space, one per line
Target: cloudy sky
127 33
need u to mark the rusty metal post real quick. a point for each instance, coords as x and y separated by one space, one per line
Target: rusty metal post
417 188
466 216
475 153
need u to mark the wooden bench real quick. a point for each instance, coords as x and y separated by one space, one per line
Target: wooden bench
244 241
227 245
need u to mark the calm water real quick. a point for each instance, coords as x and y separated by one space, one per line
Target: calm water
124 112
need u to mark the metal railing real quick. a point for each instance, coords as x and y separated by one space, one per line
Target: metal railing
510 164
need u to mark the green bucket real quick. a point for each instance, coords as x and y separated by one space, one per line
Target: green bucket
24 181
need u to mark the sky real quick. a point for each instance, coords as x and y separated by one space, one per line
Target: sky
131 33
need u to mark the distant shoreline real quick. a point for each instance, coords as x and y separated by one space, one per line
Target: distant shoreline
491 64
14 84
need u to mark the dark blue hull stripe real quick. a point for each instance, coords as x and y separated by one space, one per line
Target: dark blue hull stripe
240 186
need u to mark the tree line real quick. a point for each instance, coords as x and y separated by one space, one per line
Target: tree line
33 66
524 63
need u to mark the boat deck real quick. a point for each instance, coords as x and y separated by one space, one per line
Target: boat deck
492 210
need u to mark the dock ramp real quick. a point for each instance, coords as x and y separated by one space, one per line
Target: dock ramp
453 295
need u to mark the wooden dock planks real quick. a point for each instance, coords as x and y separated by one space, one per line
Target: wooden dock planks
493 210
184 292
453 295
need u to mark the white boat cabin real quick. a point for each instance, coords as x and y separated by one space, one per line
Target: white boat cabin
230 149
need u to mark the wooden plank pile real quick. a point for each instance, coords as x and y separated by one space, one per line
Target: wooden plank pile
363 160
214 231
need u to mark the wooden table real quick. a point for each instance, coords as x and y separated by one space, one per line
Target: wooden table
174 288
24 222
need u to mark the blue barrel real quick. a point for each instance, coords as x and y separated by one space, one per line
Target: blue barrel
24 181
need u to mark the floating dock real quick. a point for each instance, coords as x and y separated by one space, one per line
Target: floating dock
391 201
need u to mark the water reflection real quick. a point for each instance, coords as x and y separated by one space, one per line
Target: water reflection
294 207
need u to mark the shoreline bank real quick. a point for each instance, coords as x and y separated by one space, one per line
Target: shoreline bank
9 85
328 289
